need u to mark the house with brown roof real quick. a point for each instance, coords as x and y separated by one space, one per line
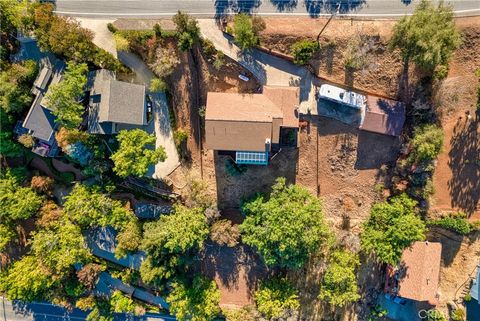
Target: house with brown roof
252 127
417 276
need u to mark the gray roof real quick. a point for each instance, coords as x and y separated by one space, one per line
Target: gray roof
115 102
40 121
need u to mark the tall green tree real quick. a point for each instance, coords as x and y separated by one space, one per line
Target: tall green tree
286 228
198 301
88 207
246 30
64 98
339 284
187 29
428 37
25 281
169 241
427 143
275 298
15 83
136 152
392 227
59 247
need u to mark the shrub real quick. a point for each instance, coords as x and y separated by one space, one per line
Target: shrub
454 222
458 315
26 140
244 31
157 30
180 137
427 143
355 56
440 72
121 43
111 27
275 298
223 232
303 51
219 60
166 60
157 85
42 184
467 297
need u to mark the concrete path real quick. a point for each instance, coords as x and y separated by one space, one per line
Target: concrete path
268 69
161 119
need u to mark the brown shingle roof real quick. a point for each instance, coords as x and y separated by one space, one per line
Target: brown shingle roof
384 116
420 272
243 122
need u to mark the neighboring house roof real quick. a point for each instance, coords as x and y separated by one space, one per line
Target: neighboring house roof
40 121
384 116
243 122
475 290
102 243
419 272
113 101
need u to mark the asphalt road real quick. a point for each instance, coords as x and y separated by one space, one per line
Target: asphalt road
210 8
15 311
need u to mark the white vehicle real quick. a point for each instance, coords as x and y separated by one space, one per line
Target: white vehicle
342 96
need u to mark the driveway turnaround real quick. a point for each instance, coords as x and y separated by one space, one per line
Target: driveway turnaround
160 125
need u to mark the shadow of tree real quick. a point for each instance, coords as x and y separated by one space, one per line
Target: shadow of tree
317 7
284 5
225 7
464 162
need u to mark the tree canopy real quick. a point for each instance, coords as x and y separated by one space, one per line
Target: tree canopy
427 143
428 37
339 284
136 152
88 207
275 298
169 240
303 51
63 98
198 301
287 227
15 82
392 227
187 29
246 30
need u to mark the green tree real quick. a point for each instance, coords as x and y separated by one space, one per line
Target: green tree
15 83
8 147
275 298
198 301
287 227
157 85
428 37
339 284
169 241
63 98
427 143
121 303
17 202
25 281
136 153
303 51
88 207
6 235
392 227
129 239
246 30
59 247
187 30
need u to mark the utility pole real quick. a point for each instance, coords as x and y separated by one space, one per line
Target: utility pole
328 21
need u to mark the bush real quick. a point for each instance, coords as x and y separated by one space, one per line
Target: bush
111 27
440 72
157 30
303 51
454 222
223 232
166 60
427 143
458 315
26 140
244 31
275 298
42 184
180 137
355 56
121 43
157 85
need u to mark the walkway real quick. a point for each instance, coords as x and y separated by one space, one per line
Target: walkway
161 120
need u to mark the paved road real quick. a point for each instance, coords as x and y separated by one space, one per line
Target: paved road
209 8
16 311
